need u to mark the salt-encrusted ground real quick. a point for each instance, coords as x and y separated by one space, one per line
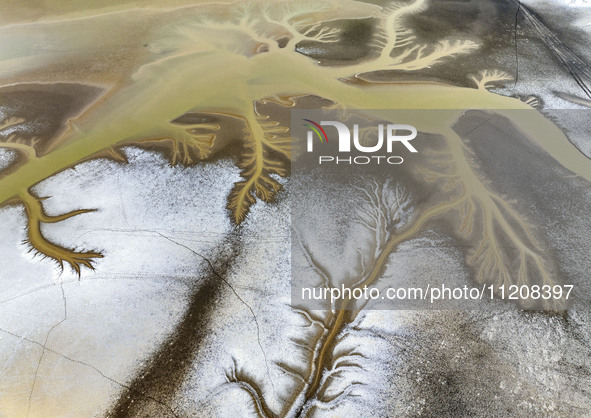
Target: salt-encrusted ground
188 315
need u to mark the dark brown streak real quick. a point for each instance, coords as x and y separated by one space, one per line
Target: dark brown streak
169 366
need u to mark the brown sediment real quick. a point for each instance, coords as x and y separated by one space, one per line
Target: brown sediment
150 104
343 316
210 135
152 391
193 73
501 229
268 151
35 115
38 243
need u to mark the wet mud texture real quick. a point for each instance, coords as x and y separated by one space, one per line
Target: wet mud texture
41 111
154 386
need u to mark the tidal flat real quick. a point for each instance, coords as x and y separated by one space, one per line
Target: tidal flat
161 213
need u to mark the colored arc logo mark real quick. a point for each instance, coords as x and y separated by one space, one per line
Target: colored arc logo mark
317 128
